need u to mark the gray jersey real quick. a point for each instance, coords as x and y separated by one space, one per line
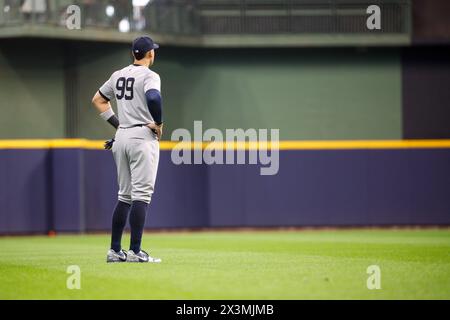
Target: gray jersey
128 87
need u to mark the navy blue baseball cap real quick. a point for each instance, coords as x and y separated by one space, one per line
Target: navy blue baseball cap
142 45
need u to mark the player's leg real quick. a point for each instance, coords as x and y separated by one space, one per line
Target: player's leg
119 220
123 205
144 160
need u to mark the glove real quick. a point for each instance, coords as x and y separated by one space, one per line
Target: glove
108 144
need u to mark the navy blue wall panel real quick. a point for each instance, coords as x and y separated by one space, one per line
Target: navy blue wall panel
99 187
181 195
325 187
24 200
67 199
76 190
409 187
227 194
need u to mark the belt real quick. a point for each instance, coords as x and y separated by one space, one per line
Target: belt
137 125
133 126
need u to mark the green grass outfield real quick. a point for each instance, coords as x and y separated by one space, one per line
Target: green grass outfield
316 264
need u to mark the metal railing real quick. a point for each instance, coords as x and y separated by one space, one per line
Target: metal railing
194 17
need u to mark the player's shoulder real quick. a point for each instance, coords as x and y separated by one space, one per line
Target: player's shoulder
152 74
116 73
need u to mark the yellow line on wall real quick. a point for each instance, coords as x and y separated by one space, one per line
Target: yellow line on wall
283 145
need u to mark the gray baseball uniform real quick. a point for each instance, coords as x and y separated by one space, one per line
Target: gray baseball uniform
136 149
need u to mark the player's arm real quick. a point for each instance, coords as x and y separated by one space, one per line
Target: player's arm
104 108
154 104
152 87
101 103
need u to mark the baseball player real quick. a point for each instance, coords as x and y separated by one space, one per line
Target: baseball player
135 147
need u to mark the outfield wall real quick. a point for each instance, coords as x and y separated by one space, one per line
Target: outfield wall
74 188
318 94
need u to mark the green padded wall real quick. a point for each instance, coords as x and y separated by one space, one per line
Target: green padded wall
321 93
307 93
31 90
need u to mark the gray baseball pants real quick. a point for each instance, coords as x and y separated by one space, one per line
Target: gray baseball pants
136 153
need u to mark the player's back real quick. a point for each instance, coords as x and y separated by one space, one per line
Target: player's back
128 86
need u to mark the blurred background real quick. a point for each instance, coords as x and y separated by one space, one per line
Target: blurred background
373 105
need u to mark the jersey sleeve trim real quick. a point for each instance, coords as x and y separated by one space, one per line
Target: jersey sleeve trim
103 96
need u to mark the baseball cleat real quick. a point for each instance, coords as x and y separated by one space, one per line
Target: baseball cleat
141 256
113 256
